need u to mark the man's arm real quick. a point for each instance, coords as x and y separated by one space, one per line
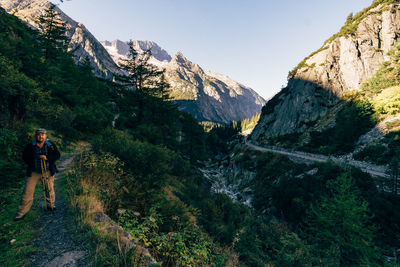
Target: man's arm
26 155
53 154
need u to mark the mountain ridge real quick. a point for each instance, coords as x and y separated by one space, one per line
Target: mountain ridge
177 191
82 42
207 95
214 102
318 84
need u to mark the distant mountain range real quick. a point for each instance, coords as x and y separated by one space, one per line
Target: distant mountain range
118 49
208 96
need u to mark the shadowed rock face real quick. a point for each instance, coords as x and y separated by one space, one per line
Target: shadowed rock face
294 109
217 97
207 95
82 42
342 65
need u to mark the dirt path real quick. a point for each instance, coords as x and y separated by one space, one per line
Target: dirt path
56 242
374 170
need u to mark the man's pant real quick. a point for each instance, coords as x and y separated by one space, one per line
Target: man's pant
27 197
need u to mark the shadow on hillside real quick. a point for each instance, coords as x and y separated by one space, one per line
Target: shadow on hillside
221 105
306 116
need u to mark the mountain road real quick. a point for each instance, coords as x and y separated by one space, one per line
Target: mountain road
374 170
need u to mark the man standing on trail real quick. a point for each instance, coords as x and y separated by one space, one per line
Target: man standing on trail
40 155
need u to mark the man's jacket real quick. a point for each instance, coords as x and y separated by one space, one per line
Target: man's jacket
52 155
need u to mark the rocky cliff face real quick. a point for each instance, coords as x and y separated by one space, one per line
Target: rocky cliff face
118 49
341 65
207 95
210 96
82 42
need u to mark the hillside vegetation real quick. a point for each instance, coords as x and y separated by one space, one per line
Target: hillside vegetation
349 28
152 141
144 159
142 169
376 101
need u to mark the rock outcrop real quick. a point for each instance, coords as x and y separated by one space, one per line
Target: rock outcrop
118 48
207 95
341 65
210 96
82 42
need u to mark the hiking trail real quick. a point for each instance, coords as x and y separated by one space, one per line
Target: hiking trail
56 243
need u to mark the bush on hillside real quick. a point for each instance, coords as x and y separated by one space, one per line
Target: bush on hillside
354 120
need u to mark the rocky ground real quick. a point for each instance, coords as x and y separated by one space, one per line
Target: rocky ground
58 248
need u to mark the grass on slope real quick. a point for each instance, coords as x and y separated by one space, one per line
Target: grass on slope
17 253
387 102
349 28
378 99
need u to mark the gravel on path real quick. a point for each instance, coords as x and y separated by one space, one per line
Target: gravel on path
58 248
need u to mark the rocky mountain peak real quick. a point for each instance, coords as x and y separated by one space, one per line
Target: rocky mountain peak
345 61
156 51
82 42
179 58
118 49
208 97
121 46
181 61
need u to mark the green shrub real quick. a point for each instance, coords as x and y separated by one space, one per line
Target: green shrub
250 123
186 246
264 242
377 154
340 226
383 152
353 121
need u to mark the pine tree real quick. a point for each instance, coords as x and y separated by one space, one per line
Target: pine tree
143 94
53 33
339 227
394 172
141 75
349 18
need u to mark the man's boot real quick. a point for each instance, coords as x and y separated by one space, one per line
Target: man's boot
18 218
51 208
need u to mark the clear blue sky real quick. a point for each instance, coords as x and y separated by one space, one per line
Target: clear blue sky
255 42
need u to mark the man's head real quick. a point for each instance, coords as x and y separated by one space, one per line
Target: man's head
41 135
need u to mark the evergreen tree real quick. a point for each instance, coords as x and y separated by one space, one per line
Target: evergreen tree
394 172
142 75
249 123
192 138
53 33
349 18
339 227
143 100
